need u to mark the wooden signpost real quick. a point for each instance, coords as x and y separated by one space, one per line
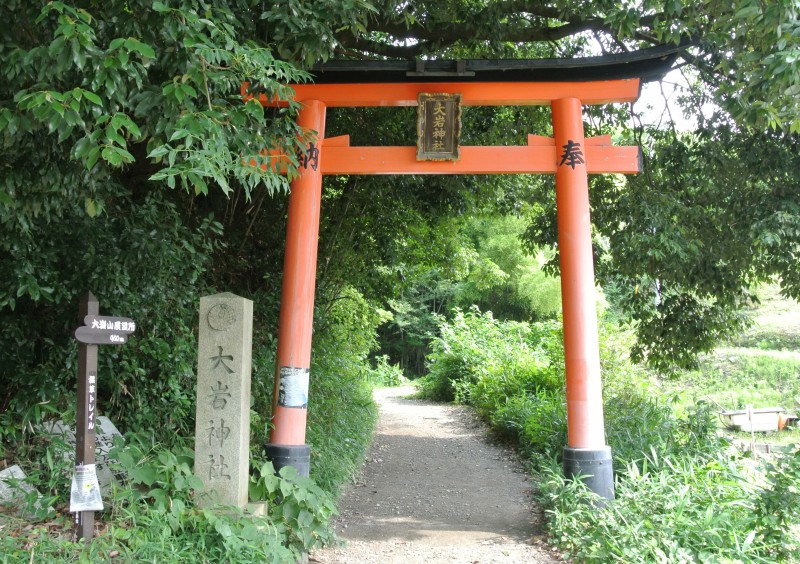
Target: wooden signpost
97 330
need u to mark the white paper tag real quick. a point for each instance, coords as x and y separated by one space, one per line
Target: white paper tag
85 491
293 389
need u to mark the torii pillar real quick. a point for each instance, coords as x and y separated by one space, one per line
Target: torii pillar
293 361
586 453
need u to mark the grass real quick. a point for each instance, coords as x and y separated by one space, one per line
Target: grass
760 368
692 498
776 324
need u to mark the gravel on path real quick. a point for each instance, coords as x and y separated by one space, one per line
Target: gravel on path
434 489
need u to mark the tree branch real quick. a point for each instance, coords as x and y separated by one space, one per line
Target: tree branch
380 49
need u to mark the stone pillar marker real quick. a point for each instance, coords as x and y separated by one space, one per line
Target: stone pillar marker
222 429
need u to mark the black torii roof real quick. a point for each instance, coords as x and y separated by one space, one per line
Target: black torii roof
648 64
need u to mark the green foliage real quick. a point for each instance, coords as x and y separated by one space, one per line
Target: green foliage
341 411
743 52
159 510
511 372
511 357
682 245
776 507
307 33
675 509
46 485
537 423
155 517
775 319
126 272
297 505
681 497
735 378
110 89
697 506
163 475
636 423
505 279
385 374
751 74
763 80
14 549
143 94
413 318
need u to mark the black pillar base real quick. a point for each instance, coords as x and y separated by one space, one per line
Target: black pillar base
594 466
298 456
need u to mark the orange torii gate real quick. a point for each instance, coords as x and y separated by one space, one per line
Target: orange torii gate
568 155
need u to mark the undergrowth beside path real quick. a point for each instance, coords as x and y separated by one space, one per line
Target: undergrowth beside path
154 517
682 492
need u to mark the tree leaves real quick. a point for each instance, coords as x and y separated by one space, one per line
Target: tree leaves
714 215
97 83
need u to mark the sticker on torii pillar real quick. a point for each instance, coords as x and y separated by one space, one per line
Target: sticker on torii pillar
293 390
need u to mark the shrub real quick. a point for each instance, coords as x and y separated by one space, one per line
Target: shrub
297 506
479 360
149 382
385 374
776 507
635 425
686 500
341 411
544 429
155 517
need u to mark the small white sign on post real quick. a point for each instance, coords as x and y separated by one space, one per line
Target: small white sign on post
84 494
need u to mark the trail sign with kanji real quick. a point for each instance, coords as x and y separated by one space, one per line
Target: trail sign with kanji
85 496
100 330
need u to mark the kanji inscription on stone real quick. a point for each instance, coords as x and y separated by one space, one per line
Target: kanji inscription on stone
222 431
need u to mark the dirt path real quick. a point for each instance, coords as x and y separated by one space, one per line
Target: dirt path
435 490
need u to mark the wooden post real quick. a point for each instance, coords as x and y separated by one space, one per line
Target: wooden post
586 453
95 330
85 418
287 441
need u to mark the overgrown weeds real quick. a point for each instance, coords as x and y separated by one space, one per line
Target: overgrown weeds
156 518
